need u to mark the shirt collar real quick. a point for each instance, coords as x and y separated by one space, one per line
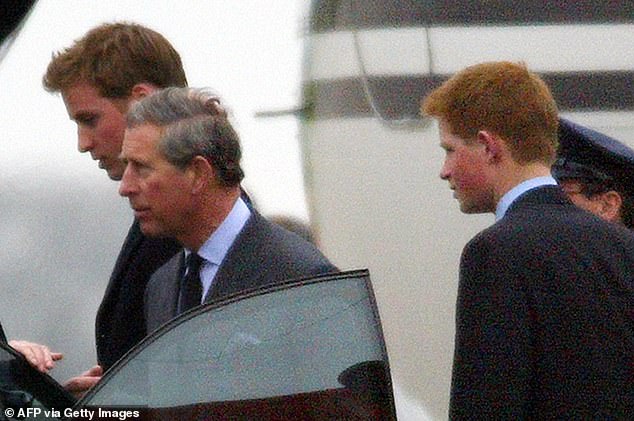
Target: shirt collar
511 195
217 245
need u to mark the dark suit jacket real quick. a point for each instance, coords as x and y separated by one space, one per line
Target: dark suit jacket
120 323
263 253
545 316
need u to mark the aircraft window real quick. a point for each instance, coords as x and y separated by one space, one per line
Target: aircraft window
310 349
26 393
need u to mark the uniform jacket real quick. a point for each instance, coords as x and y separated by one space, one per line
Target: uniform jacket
120 323
545 316
263 253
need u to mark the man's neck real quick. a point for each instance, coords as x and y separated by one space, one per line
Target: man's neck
529 179
210 212
516 173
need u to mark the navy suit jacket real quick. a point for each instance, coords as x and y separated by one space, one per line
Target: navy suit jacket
120 323
263 253
545 316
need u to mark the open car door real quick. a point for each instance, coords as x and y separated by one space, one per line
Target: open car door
309 349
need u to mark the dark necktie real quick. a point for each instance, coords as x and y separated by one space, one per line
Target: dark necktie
191 287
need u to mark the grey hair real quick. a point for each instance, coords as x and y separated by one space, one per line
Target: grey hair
194 124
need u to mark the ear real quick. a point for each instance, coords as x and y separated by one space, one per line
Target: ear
141 90
202 174
492 145
610 206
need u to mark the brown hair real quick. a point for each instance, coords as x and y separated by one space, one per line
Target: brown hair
504 98
114 57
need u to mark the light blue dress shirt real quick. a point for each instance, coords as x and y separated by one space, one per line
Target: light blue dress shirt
511 195
217 245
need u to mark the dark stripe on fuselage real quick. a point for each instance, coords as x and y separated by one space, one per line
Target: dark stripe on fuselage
399 97
329 15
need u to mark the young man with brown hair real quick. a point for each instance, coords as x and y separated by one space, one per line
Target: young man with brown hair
99 76
545 309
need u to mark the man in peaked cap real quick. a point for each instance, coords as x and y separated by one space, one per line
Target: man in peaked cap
596 171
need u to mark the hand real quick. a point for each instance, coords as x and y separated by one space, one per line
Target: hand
39 356
79 385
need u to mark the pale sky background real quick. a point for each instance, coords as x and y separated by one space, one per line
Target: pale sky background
249 51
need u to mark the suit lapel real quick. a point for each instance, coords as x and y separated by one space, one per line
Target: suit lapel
172 288
239 270
162 296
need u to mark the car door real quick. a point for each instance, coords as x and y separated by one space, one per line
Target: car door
309 349
26 393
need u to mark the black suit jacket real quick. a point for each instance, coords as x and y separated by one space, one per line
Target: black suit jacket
263 253
545 316
120 323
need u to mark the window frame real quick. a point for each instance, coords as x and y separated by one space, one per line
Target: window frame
360 274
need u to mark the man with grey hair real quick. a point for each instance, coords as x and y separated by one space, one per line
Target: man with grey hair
182 179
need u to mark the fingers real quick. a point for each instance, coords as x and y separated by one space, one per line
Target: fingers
79 385
95 371
39 356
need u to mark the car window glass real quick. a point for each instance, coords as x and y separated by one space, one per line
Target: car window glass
26 393
310 349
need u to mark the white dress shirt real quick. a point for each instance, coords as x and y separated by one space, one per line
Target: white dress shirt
217 245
